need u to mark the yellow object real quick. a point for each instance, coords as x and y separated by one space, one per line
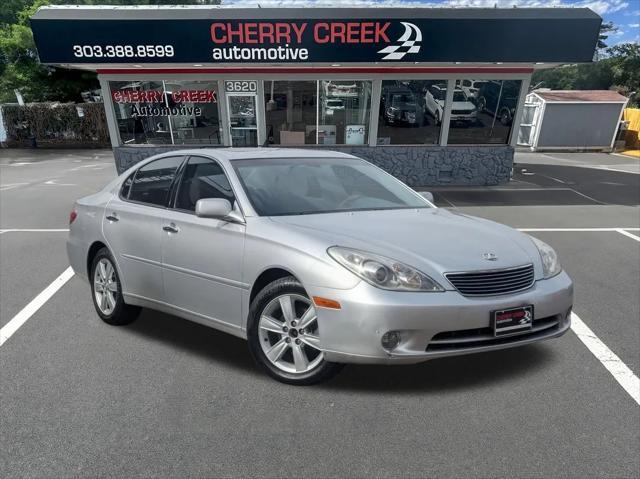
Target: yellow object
632 135
634 153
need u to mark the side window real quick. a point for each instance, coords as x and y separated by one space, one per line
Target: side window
152 182
202 178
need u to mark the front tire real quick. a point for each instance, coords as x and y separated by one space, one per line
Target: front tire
482 104
106 291
283 335
505 117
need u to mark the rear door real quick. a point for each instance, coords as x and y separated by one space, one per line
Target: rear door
202 257
133 227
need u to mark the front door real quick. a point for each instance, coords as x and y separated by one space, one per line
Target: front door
243 125
133 227
202 257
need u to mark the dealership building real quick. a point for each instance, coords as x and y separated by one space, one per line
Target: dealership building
432 95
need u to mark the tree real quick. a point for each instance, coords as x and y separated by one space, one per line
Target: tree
19 65
9 10
20 68
606 28
618 70
625 67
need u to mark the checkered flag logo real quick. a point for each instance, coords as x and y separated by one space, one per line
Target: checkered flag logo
397 52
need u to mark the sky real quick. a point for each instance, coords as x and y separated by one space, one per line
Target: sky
625 14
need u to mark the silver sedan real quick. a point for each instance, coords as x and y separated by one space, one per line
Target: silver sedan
317 258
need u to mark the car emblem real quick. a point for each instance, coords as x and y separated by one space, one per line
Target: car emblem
489 256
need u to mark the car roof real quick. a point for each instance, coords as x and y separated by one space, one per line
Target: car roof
231 154
444 87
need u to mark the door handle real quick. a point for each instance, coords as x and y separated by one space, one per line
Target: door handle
113 217
171 228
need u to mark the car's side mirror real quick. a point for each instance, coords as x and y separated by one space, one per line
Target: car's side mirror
213 208
427 195
218 208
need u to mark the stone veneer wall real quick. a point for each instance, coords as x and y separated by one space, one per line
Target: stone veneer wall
415 165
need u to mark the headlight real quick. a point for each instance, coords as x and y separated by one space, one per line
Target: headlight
382 272
550 264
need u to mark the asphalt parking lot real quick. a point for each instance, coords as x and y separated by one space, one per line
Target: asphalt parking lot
167 398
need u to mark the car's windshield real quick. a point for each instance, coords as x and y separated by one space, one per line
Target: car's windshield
459 96
437 94
297 186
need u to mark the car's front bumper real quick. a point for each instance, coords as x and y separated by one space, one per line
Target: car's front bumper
353 333
463 118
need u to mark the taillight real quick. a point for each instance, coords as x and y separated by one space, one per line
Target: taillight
73 215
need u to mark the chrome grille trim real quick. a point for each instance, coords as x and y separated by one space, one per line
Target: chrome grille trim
492 282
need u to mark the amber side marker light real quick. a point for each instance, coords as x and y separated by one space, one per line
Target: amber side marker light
326 303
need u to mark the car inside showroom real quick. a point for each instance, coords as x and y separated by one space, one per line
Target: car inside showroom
429 94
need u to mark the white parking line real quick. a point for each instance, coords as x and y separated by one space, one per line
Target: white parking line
55 183
617 230
616 168
10 186
626 233
19 319
622 231
619 370
35 230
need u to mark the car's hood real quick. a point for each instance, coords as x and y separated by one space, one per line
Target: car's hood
406 106
463 105
432 240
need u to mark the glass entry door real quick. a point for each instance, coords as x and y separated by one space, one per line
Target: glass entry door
242 119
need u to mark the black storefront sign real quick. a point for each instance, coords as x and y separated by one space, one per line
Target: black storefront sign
344 41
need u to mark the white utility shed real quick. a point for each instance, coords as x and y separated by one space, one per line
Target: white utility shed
571 119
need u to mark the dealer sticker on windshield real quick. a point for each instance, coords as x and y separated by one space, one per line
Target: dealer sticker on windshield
514 320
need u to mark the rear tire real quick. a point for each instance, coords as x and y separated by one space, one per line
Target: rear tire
283 335
106 291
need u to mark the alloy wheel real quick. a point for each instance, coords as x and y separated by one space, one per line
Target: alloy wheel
288 334
105 286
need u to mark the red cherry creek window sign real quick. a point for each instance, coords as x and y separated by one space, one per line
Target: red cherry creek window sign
158 96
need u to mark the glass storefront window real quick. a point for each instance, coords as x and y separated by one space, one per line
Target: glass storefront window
483 111
323 112
315 112
167 112
290 108
343 116
410 112
199 121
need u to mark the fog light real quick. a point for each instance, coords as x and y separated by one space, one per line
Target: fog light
390 340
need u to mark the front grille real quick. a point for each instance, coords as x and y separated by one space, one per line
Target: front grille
460 112
480 337
492 282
